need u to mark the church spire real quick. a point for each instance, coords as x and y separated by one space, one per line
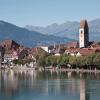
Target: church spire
83 34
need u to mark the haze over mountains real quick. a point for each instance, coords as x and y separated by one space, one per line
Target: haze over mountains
26 37
60 33
69 29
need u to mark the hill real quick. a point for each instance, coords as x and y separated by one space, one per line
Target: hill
27 38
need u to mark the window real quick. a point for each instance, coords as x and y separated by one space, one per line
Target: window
81 31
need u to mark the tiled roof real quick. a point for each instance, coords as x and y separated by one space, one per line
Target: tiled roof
95 45
9 44
82 51
85 51
72 45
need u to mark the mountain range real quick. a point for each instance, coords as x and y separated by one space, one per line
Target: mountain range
26 37
69 29
59 33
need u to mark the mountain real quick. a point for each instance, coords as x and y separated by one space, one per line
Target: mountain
26 37
69 29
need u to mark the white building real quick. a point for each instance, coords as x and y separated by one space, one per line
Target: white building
45 48
83 34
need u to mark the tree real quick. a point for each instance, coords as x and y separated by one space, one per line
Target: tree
96 60
40 56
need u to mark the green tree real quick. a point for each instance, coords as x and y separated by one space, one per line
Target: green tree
96 60
40 56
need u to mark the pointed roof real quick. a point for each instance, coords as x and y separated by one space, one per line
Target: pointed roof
83 24
9 44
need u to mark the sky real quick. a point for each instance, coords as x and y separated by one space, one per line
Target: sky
46 12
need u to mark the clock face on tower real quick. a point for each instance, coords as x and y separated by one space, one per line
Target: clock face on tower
81 33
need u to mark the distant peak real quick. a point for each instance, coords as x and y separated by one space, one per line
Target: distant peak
55 24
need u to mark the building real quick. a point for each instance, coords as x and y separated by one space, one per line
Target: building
80 51
2 51
45 48
48 49
72 45
10 45
10 55
59 51
83 34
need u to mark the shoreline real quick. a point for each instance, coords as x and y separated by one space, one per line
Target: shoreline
76 70
53 69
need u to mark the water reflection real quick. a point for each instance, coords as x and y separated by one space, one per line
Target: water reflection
48 85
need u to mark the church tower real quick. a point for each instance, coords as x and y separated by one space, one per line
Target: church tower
83 34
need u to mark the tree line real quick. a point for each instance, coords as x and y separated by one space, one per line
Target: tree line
90 61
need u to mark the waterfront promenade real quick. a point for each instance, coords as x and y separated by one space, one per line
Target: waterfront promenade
53 69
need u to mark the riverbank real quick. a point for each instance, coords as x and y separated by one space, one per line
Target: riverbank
81 70
53 69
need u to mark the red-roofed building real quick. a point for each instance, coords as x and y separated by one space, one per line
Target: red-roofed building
10 45
79 52
10 55
72 45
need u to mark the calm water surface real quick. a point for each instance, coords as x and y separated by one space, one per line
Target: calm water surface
49 85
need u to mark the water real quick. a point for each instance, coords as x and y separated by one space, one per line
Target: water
49 85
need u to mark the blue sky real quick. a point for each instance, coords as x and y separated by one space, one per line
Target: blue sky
45 12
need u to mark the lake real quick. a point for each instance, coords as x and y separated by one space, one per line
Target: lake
49 85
